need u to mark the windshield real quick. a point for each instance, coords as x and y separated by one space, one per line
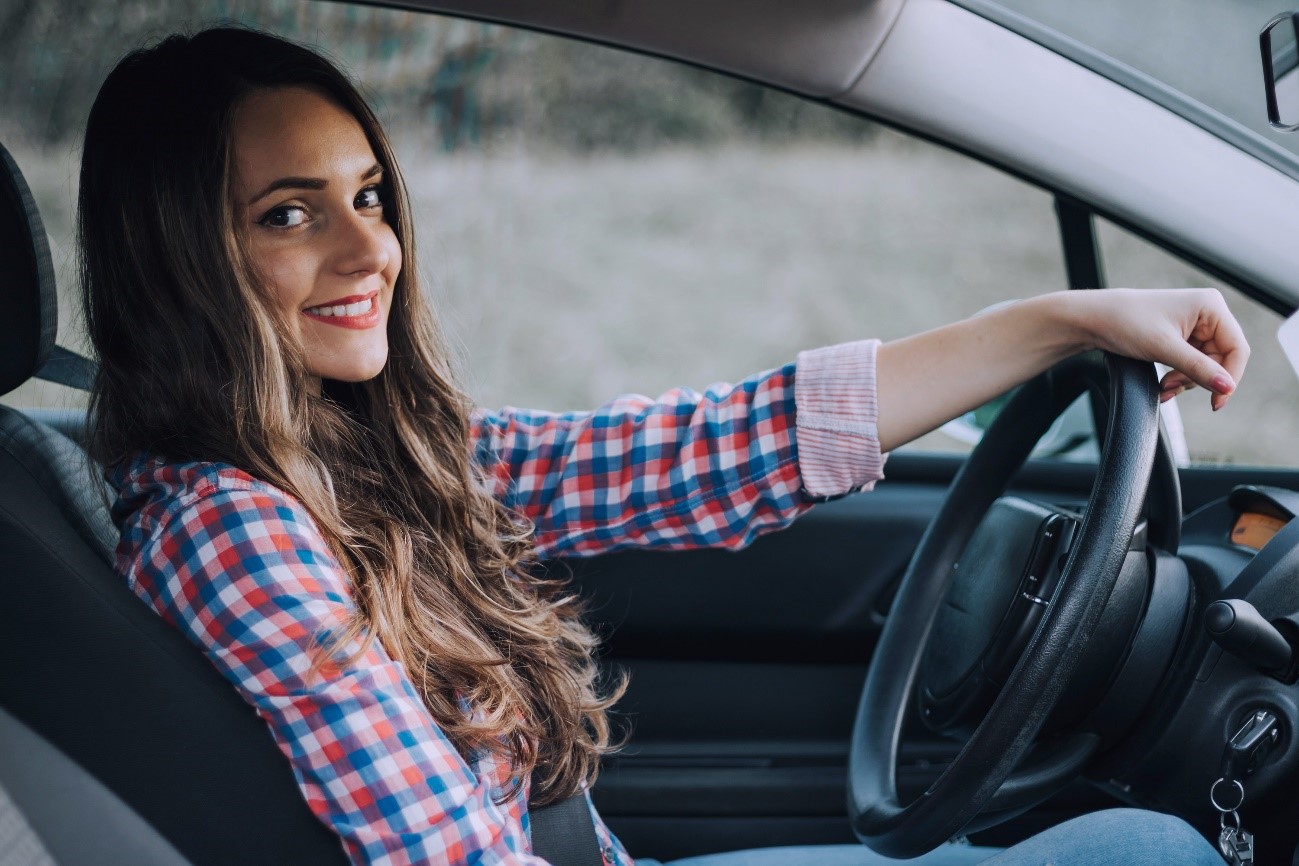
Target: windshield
1204 50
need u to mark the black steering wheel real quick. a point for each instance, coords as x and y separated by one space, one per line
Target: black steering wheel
1056 625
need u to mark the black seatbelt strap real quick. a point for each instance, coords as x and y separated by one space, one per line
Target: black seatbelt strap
65 367
563 833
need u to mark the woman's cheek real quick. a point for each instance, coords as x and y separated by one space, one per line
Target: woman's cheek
290 279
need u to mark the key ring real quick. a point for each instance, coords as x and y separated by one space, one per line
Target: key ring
1213 798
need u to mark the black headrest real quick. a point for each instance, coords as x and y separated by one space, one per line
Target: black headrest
28 328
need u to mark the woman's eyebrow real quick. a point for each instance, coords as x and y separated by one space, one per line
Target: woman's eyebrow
306 183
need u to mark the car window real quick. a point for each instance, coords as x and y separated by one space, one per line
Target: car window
571 276
1257 427
592 222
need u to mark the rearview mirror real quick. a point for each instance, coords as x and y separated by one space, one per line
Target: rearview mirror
1279 47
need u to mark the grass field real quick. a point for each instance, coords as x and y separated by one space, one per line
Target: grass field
564 280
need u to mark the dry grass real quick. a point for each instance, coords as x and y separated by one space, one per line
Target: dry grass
566 280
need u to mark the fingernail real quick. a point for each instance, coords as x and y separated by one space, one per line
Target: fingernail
1223 384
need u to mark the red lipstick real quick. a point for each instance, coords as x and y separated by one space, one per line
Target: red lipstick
336 312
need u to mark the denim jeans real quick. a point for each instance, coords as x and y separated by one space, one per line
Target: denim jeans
1115 837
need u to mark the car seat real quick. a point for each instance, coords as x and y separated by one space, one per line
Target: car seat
54 812
87 666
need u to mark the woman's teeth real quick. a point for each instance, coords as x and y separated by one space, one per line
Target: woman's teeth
360 308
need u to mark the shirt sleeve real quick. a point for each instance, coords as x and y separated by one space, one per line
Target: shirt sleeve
838 440
245 575
689 469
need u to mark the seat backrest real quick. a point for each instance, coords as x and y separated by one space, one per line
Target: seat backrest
63 469
87 665
59 814
28 326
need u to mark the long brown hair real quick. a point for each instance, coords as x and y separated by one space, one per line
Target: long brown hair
196 363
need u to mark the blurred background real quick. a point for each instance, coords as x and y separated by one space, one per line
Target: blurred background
593 222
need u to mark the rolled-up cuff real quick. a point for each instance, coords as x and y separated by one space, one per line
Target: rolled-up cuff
838 443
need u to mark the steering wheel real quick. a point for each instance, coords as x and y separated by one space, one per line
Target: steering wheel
990 583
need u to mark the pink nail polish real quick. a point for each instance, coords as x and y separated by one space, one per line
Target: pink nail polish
1223 385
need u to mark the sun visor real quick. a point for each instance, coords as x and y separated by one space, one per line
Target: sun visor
27 330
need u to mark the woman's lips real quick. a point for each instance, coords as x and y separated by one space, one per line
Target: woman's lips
356 312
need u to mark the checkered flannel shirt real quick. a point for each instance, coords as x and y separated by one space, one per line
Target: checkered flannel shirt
240 568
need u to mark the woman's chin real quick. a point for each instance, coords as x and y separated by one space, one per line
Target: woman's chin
360 370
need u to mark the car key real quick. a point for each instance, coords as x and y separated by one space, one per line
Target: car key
1235 843
1245 752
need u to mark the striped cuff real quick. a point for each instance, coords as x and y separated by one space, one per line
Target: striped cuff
838 446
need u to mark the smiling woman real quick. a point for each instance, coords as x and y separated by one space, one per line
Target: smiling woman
319 240
355 578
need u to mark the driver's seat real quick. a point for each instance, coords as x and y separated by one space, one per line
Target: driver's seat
87 666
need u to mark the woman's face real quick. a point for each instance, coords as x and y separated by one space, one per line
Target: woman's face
307 193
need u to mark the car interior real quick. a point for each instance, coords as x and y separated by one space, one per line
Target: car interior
748 723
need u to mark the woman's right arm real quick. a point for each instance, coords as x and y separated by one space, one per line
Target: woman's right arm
245 575
688 468
932 377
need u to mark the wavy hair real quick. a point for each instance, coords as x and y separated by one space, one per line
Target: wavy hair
197 363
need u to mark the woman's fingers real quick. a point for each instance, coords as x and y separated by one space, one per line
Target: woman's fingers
1195 365
1172 384
1209 349
1188 330
1218 333
1233 360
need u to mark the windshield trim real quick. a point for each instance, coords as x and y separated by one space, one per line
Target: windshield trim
1231 131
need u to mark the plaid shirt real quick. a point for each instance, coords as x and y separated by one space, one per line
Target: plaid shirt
240 568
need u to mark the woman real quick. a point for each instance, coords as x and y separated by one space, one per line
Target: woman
297 497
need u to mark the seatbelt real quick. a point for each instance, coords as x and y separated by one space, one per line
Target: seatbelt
563 833
66 367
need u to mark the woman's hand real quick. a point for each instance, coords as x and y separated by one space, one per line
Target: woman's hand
1190 330
926 380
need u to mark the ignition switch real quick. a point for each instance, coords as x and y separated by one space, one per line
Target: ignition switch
1250 747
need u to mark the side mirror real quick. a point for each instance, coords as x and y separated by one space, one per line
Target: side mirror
1279 48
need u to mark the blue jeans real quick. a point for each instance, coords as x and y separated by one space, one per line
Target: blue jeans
1116 837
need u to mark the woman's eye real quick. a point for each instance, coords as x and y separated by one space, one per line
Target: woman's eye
284 217
368 198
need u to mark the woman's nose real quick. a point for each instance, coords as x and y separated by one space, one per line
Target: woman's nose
362 246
